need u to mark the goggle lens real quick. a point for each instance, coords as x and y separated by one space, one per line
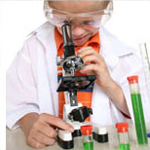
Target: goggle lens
86 20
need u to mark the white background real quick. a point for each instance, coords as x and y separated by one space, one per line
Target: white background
130 23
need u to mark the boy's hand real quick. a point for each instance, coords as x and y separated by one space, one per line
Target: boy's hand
40 129
95 66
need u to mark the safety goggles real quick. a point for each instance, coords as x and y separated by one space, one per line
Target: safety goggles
87 20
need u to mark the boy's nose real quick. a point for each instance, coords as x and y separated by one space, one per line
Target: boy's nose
77 31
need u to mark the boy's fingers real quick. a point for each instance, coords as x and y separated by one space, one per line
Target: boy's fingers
46 129
43 139
55 121
34 143
91 58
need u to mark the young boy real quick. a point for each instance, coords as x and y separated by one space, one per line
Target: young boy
32 100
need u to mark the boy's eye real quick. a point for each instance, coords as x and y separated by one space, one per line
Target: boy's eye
88 22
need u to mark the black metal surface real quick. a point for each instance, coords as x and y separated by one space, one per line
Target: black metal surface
72 63
73 98
77 133
75 82
80 114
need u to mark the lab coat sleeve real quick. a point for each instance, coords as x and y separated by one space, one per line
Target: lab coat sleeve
21 89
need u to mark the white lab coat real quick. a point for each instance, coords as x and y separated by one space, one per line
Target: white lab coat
32 78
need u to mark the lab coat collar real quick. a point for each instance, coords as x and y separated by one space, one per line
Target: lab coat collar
112 49
111 45
44 33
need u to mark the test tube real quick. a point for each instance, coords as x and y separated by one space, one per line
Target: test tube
87 137
138 110
124 143
144 51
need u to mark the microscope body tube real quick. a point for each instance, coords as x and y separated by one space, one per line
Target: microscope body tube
138 111
67 41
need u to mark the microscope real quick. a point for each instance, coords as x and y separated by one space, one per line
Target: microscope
73 112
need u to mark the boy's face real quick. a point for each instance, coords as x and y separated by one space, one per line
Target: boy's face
80 32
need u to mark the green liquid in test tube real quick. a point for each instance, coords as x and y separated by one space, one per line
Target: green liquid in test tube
138 111
88 145
124 146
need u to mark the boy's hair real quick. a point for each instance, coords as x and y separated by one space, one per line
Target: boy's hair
102 5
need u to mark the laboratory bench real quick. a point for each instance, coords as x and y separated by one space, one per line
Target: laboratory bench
15 140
